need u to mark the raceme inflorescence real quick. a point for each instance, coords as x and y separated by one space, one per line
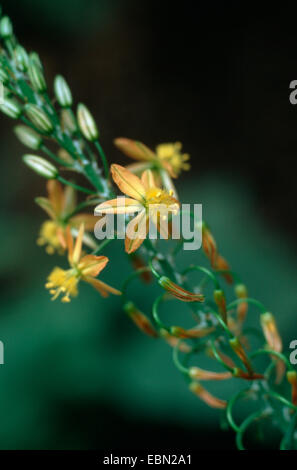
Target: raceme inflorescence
216 301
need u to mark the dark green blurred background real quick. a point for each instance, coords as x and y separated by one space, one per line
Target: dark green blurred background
80 375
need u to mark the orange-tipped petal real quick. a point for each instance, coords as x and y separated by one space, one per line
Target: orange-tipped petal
136 232
46 205
56 195
147 179
120 205
78 245
128 183
69 242
207 397
88 220
101 287
91 265
134 149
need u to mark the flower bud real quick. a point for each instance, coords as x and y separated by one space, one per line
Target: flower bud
21 58
192 333
39 118
5 27
36 77
86 123
239 373
28 137
200 374
62 92
209 244
174 342
221 264
179 292
292 379
220 300
11 108
34 57
271 332
41 166
68 121
3 76
242 308
140 320
240 352
205 396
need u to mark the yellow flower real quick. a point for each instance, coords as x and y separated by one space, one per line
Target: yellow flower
167 156
57 205
82 268
151 203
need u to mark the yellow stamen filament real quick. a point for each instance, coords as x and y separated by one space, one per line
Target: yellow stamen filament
48 237
62 281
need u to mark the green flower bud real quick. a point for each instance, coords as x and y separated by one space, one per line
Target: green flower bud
36 77
11 108
28 137
39 118
21 58
86 123
62 92
3 76
34 57
5 27
68 121
41 166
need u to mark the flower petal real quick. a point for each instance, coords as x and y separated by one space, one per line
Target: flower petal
134 149
101 287
46 205
56 195
78 245
120 205
91 265
147 179
88 220
136 232
127 182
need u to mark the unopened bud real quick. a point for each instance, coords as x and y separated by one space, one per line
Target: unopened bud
140 319
209 245
21 58
86 123
28 137
41 166
62 92
179 292
11 108
34 57
192 333
220 300
270 331
39 118
221 264
36 77
205 396
200 374
5 27
240 352
3 76
292 379
68 121
242 308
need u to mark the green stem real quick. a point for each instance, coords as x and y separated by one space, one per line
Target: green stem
75 186
103 158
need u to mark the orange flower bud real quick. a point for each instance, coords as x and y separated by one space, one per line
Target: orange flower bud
292 379
173 341
192 333
140 320
242 308
200 374
247 376
209 245
179 292
220 300
274 341
222 264
238 349
207 397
